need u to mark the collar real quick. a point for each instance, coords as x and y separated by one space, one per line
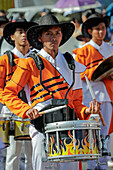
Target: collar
48 56
91 42
19 54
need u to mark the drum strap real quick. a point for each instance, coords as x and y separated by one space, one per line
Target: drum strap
70 60
37 59
11 59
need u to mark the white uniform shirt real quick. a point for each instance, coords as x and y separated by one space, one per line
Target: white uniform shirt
99 88
61 65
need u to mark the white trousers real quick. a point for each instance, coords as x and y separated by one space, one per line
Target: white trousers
14 152
1 154
106 109
39 153
1 107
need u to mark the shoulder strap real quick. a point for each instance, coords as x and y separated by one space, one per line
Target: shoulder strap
70 60
11 59
37 59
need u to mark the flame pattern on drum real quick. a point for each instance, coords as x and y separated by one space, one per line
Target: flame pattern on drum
84 144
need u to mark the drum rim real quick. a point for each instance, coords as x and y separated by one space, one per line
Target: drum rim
82 124
73 157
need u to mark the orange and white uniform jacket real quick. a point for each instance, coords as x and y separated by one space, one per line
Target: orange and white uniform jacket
6 72
90 55
27 72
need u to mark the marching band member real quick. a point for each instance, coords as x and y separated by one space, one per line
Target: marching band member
56 76
14 34
91 55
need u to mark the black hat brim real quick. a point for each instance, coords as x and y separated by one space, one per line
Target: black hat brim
3 22
81 37
34 31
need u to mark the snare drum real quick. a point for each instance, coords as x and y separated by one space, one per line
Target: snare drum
21 129
73 140
4 130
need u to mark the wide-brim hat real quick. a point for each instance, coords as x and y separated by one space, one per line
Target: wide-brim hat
94 20
10 28
81 37
48 21
3 20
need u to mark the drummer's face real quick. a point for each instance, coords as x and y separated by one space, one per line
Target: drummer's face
98 32
51 38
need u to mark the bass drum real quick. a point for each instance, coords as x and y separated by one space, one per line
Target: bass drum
73 140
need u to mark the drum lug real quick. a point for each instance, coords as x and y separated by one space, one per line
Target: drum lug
11 125
22 127
104 141
4 126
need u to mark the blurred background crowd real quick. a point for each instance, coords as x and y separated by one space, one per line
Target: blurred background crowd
69 10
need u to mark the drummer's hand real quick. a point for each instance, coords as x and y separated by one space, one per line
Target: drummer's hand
93 108
32 113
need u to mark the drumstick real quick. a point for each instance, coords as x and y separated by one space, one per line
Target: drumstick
52 109
94 99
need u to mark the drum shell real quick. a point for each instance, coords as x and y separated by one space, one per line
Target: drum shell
21 129
55 116
73 140
4 131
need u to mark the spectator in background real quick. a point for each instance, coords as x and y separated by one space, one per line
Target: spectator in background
86 14
77 24
3 22
77 31
4 46
109 12
45 11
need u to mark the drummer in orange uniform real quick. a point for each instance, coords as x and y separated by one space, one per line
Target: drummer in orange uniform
14 33
51 78
91 55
